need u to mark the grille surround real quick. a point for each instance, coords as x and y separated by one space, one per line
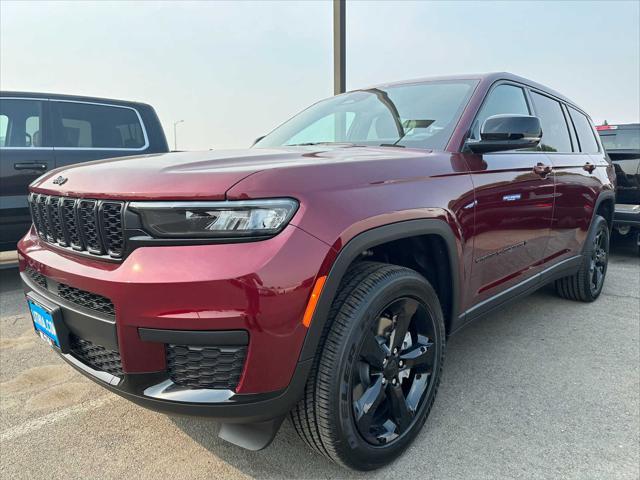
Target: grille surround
91 227
211 367
96 356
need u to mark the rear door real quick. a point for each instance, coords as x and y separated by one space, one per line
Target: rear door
579 168
514 204
25 154
86 131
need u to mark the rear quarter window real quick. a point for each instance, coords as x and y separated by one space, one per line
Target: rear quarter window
586 135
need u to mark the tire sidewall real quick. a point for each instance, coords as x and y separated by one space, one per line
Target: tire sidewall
362 454
599 224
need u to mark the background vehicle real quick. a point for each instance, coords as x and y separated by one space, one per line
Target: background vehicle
318 274
41 131
622 143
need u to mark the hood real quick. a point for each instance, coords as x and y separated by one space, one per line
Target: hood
194 175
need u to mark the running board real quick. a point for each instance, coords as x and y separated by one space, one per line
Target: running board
251 436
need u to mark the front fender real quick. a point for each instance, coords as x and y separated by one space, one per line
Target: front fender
369 239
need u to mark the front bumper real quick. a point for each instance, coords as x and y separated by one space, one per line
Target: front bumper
205 295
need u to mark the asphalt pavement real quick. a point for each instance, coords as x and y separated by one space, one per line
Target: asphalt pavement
545 388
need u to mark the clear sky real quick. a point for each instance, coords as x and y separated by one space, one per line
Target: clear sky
235 70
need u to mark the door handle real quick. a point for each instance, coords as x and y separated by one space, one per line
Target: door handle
589 167
542 169
30 166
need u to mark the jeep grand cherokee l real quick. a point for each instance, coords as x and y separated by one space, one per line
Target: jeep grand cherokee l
318 274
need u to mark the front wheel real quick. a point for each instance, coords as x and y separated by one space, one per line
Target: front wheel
376 376
586 284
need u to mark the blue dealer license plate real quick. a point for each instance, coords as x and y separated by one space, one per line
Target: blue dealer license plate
43 323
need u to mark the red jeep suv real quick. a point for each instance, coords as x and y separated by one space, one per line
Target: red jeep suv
319 273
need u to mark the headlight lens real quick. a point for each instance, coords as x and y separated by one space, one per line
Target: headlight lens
253 218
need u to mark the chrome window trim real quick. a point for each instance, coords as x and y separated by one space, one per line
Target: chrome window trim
37 99
27 149
93 149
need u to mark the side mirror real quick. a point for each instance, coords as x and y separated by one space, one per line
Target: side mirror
507 132
257 140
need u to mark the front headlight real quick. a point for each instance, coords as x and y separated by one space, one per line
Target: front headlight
251 218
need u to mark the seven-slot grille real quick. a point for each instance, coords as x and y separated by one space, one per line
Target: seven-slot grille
93 226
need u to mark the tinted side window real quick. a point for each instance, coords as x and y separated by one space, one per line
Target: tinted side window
555 134
503 99
20 122
586 137
85 125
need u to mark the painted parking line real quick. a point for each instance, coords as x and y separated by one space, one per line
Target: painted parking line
42 422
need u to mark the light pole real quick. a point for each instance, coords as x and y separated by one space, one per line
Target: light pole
175 134
339 63
339 47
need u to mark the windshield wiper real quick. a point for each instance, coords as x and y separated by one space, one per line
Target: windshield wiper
306 144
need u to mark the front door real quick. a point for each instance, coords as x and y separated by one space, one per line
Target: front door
25 154
514 198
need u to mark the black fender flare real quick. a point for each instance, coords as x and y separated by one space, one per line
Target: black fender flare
364 241
604 196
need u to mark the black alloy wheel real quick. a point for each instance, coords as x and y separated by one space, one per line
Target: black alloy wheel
585 285
397 358
598 264
377 370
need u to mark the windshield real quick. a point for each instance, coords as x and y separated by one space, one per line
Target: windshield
421 115
622 139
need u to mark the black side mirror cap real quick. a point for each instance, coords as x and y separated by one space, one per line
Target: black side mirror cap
507 132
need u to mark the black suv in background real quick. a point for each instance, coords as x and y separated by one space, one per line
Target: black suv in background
39 132
622 143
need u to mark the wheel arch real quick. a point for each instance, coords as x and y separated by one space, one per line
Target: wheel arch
370 239
605 206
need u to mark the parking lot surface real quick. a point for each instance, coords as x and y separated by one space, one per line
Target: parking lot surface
545 388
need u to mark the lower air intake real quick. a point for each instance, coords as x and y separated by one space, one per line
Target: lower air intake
95 356
206 367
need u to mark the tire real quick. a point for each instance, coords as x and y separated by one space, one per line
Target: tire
586 284
335 416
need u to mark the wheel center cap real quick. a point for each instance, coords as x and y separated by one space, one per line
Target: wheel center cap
391 369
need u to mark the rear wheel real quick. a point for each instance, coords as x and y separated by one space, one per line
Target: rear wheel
586 284
376 376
